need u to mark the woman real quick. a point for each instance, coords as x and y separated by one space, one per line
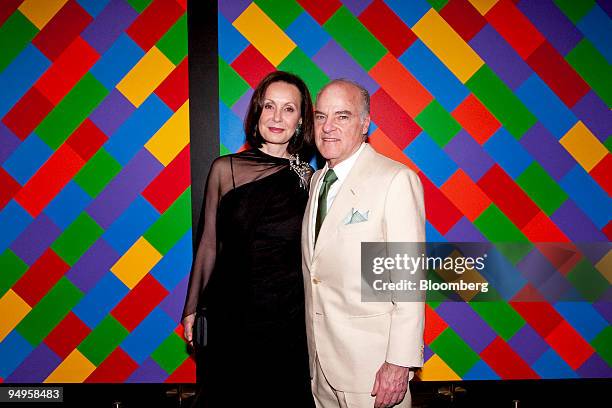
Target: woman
247 270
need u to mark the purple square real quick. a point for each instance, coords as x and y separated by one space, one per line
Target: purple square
8 142
36 367
595 367
148 372
94 264
528 344
547 150
575 224
36 238
536 268
469 155
467 324
112 112
232 9
464 231
594 113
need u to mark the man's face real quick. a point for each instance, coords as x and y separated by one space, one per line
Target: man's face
339 124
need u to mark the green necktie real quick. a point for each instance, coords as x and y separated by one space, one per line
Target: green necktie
329 179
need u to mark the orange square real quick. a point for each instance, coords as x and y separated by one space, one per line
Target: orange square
476 119
466 195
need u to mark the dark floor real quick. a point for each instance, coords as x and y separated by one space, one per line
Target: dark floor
493 394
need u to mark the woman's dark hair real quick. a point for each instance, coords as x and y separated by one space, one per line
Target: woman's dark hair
304 141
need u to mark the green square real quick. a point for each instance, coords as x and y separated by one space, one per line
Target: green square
438 123
608 143
437 4
174 43
97 172
223 151
15 34
298 63
593 68
575 9
172 224
501 101
601 343
11 269
77 238
357 40
454 351
171 353
49 311
514 251
101 342
71 111
589 282
497 227
139 5
282 12
502 318
231 85
542 189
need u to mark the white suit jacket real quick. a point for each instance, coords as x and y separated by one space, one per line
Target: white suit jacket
352 338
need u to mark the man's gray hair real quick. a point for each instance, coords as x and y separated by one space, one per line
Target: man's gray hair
365 95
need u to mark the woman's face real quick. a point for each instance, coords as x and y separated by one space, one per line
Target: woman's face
280 114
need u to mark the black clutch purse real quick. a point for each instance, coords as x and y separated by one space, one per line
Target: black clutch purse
200 329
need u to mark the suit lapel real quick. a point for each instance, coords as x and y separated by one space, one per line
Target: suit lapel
346 199
314 193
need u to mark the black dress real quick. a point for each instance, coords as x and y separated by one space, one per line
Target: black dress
249 263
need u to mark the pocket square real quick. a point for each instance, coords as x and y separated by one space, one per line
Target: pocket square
356 216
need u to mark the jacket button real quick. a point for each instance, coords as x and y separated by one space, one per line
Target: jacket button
316 281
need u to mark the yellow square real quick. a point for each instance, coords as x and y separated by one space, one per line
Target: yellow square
264 34
604 266
172 137
483 6
12 309
435 369
40 12
74 369
583 146
447 45
136 263
145 76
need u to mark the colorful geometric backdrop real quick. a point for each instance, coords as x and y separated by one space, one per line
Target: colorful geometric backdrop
95 221
502 107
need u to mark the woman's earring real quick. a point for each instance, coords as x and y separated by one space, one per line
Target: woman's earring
298 129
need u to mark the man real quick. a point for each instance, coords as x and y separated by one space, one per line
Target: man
360 352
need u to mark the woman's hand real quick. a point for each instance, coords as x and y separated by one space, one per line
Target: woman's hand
188 327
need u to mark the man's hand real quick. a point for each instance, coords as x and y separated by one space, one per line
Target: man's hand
188 328
390 385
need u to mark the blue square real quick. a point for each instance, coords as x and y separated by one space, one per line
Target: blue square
309 36
588 195
131 225
117 61
481 371
100 300
409 11
432 233
68 204
148 335
27 159
13 221
432 160
138 129
13 350
176 264
508 153
230 128
546 106
231 42
434 75
596 26
583 317
93 7
550 365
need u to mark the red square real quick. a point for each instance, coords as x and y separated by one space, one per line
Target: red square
170 183
441 212
27 114
601 173
558 74
86 139
608 230
185 373
252 66
68 334
67 70
116 368
174 90
321 11
506 362
41 277
476 119
466 195
8 8
542 229
62 29
516 29
540 315
464 18
154 22
393 120
572 348
141 300
8 188
508 196
387 27
434 325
